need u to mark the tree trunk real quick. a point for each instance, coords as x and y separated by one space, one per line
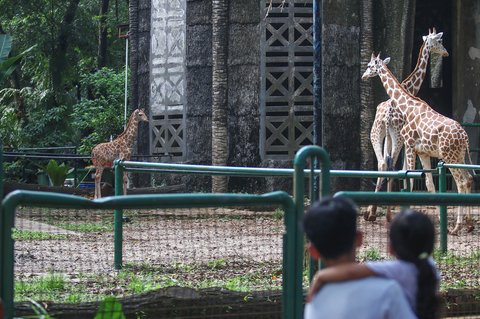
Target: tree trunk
58 59
19 100
133 50
102 35
367 112
219 90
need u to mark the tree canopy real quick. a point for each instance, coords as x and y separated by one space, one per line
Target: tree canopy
68 89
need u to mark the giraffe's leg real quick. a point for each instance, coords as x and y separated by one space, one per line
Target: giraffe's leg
98 179
464 185
377 136
426 164
410 157
397 144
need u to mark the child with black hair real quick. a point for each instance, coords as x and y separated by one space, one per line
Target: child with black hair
412 237
330 226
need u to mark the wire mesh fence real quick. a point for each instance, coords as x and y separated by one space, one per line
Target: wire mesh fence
208 262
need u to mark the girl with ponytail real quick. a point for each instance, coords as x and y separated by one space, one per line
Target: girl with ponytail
412 237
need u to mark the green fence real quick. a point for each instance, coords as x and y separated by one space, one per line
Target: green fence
132 240
291 287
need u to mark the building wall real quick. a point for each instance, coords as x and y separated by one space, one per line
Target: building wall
466 54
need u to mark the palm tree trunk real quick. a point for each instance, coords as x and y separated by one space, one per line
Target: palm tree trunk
219 90
367 112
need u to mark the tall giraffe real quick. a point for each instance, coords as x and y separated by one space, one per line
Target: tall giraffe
120 148
426 133
389 121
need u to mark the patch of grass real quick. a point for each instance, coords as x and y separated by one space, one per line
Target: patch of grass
40 288
19 234
278 214
371 254
217 264
141 278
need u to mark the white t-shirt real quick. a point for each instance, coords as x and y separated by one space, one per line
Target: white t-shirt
366 298
403 272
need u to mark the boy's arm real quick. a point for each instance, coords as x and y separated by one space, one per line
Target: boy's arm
337 273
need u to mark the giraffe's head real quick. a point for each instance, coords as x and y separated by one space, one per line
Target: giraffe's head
140 115
433 43
374 66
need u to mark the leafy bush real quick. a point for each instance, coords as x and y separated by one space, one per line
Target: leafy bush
57 173
100 114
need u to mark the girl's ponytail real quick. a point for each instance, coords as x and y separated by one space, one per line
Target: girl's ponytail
412 237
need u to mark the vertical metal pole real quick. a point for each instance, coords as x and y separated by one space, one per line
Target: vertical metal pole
442 188
126 84
6 262
1 173
118 215
312 152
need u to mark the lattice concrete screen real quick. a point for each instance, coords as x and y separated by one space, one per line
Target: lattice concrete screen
287 79
167 93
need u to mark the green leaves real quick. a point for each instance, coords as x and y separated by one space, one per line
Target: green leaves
57 173
8 65
5 46
110 308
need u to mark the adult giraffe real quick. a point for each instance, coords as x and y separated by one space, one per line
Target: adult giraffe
426 133
385 134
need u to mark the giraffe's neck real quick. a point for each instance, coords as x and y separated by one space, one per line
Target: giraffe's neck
414 81
394 89
130 132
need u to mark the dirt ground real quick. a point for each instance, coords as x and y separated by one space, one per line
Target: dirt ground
164 238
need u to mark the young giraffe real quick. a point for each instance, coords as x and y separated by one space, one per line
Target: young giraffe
104 154
426 133
389 121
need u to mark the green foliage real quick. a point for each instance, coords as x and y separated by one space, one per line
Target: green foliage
19 235
102 115
32 112
57 173
10 128
7 66
40 311
5 46
110 308
371 254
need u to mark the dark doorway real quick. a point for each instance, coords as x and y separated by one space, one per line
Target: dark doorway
438 14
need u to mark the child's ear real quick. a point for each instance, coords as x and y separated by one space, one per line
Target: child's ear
313 251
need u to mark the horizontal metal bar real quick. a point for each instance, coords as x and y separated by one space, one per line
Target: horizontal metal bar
407 198
254 171
34 198
462 166
471 124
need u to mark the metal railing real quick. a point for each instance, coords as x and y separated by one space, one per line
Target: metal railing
29 198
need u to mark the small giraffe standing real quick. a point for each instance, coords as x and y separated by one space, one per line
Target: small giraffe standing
120 148
426 133
389 121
